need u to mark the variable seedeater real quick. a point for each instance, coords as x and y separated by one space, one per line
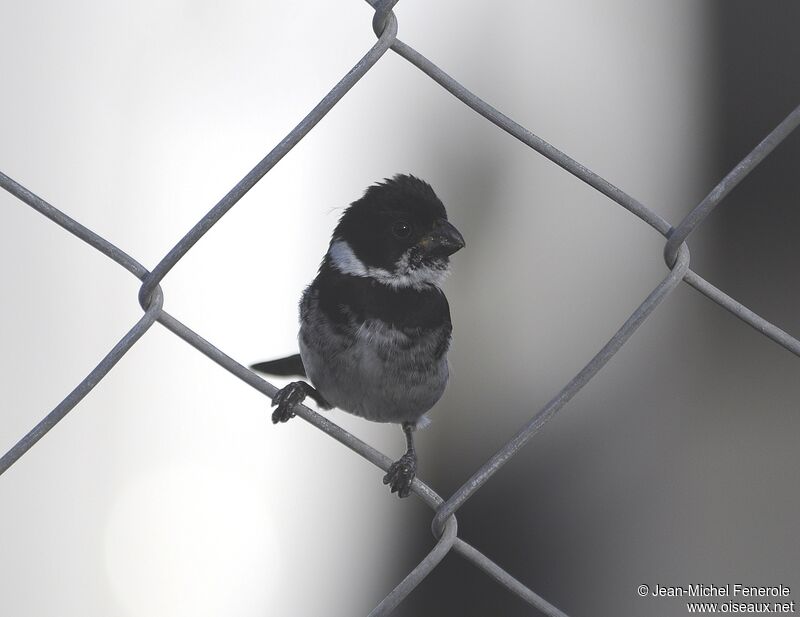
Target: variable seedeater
375 324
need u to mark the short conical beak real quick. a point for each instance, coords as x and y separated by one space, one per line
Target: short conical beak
444 240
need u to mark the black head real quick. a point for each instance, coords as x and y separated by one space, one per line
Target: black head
397 232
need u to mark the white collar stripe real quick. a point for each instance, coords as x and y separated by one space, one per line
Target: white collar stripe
345 261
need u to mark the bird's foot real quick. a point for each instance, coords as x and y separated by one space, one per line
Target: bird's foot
286 399
401 474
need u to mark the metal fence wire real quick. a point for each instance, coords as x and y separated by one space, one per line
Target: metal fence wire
444 526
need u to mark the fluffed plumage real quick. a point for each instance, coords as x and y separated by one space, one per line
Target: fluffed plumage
375 324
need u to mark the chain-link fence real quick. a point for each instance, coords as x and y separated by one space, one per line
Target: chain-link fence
444 525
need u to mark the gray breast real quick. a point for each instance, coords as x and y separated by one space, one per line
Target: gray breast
371 369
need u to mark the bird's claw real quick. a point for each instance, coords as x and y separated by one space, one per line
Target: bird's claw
286 399
401 474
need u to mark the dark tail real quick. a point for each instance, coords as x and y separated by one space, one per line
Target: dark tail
283 367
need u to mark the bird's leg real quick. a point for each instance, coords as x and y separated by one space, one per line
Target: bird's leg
401 473
290 396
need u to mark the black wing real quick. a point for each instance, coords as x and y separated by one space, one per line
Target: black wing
283 367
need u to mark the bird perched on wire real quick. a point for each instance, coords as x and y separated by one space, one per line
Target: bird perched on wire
375 324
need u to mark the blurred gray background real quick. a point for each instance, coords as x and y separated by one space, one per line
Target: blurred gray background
169 492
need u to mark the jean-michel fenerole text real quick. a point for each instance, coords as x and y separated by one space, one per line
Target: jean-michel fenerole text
721 591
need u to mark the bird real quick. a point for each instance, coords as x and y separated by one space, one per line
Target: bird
375 325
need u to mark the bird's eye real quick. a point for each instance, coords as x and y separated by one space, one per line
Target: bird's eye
401 230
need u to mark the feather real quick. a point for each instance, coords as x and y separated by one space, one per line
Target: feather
291 366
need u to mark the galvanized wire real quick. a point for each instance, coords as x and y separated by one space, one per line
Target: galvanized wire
444 525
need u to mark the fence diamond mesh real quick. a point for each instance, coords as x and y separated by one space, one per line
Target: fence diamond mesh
444 525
